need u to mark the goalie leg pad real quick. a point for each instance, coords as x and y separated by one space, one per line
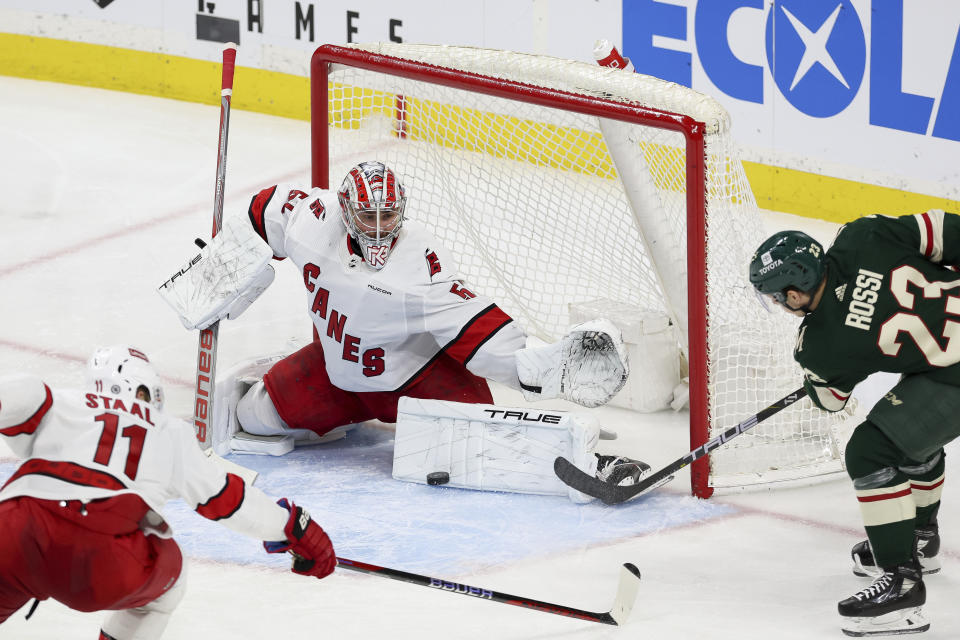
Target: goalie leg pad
257 415
260 429
231 387
244 442
492 448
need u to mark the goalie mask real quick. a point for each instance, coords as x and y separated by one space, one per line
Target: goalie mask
122 370
787 260
372 201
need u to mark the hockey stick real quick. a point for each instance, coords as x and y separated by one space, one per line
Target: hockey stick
206 373
614 494
622 604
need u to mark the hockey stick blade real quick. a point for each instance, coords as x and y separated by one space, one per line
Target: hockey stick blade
608 493
622 604
615 494
626 593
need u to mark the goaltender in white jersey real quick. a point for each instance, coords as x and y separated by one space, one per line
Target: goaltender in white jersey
81 518
383 323
392 317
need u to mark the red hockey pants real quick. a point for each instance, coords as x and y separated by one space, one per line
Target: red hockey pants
88 562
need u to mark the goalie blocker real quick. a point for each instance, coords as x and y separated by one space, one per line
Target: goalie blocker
219 283
492 448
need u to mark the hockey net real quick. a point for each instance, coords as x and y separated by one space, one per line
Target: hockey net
508 159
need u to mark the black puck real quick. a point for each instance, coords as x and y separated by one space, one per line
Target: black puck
438 477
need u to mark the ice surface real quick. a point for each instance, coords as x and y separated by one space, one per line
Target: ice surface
102 195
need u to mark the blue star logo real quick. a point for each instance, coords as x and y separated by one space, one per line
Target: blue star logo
817 53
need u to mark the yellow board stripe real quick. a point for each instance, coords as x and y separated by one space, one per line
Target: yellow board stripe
155 74
833 199
287 95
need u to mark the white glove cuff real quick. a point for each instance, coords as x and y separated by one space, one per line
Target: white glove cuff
539 371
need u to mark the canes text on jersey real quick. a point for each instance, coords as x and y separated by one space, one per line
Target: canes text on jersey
860 311
372 358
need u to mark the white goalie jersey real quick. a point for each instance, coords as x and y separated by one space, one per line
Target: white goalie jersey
85 446
381 328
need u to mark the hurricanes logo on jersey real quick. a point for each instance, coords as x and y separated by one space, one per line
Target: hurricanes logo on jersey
378 255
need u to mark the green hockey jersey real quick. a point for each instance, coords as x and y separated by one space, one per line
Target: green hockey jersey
891 303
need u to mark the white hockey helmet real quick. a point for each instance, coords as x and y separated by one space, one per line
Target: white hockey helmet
372 202
121 370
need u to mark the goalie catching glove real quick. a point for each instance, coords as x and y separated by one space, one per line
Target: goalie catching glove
587 366
223 280
306 541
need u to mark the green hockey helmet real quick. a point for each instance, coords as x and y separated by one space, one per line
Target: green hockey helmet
787 259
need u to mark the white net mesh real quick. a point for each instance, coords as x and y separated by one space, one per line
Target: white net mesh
528 199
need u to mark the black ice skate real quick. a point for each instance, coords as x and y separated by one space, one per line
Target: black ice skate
889 606
926 544
620 470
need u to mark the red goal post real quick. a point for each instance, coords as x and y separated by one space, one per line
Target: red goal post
378 97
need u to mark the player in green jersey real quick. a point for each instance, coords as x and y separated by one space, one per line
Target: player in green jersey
882 298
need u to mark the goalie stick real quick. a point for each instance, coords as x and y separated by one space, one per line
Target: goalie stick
615 494
622 603
207 345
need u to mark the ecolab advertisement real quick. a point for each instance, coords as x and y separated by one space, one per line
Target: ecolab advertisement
865 90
